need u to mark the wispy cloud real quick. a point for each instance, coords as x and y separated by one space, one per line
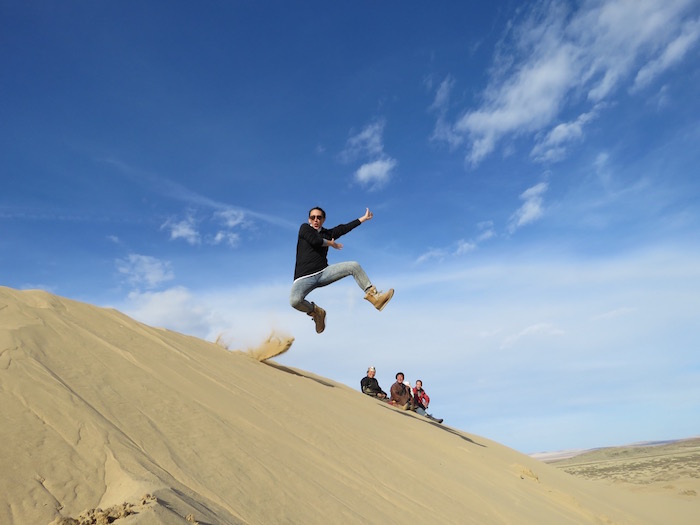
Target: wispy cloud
539 330
532 207
433 253
671 55
206 220
553 145
558 60
366 143
461 246
224 237
614 314
226 223
367 146
185 229
443 130
145 271
486 231
230 220
179 192
174 307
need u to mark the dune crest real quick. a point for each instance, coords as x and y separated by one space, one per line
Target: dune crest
98 409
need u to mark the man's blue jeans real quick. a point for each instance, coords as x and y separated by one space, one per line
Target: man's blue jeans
305 285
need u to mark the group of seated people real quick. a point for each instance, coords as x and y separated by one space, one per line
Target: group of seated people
402 396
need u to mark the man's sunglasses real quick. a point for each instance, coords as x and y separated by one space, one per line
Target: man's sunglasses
314 217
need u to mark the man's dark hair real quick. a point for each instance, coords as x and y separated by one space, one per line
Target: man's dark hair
400 374
319 209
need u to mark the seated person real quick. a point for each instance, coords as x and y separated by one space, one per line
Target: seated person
422 400
370 385
401 394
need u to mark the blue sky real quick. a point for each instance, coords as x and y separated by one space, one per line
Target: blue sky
532 168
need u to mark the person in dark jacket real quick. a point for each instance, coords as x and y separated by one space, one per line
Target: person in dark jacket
370 385
312 270
401 395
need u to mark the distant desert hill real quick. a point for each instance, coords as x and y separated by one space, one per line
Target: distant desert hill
107 420
672 467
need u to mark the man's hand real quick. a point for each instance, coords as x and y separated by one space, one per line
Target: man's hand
335 245
367 216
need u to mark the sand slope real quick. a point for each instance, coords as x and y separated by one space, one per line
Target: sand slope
98 410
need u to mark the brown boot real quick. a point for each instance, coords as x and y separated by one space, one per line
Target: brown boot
318 314
378 299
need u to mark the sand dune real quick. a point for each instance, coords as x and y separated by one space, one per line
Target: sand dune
101 414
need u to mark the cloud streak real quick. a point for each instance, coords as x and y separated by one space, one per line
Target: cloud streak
562 60
179 192
532 208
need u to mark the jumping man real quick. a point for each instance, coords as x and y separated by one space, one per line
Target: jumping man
312 270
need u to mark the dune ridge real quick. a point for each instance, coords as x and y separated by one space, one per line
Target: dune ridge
99 410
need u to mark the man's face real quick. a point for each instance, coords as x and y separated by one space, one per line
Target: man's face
316 219
399 378
419 384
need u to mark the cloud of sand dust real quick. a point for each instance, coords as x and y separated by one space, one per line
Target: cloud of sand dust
277 343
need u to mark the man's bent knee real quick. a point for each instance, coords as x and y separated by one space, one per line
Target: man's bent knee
300 304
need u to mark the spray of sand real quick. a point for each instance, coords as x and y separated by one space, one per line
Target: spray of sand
276 343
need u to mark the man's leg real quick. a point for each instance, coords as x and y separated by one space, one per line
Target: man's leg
338 271
300 289
297 298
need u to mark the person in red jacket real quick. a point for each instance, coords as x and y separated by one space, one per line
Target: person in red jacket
421 401
312 270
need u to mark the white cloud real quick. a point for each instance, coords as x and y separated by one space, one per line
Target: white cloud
531 209
443 129
539 330
144 270
224 237
368 146
601 165
431 254
366 143
231 218
189 228
464 247
526 102
375 174
487 231
442 95
554 54
675 52
553 145
175 308
444 132
184 229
